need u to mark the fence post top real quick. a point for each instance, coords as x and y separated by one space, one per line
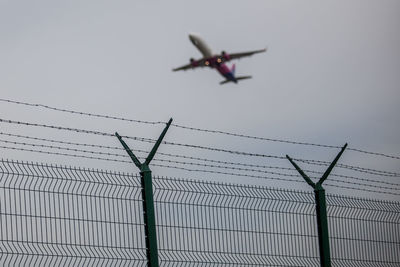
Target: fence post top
144 168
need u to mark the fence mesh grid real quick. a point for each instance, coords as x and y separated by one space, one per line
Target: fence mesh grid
54 215
363 232
213 224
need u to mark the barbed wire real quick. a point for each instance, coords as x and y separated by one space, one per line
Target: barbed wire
62 142
119 155
61 148
126 161
141 139
80 112
308 161
202 170
192 164
196 129
63 154
181 156
144 151
350 167
157 159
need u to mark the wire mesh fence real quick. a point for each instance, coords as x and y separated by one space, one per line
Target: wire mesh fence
54 215
211 224
364 232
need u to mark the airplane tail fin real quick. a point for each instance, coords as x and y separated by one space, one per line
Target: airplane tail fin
237 79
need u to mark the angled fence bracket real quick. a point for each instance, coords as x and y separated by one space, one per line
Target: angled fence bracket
147 195
322 219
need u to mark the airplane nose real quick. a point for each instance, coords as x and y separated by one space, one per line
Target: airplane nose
192 38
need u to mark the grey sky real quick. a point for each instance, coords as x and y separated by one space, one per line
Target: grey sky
331 74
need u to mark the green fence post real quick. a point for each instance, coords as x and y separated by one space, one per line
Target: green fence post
320 200
147 196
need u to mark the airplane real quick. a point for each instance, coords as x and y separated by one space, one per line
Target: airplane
215 61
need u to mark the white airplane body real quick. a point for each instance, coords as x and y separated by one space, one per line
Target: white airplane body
216 61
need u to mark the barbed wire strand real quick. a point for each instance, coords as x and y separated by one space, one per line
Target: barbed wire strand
197 170
119 155
142 139
80 112
197 129
193 158
191 163
315 162
128 161
350 167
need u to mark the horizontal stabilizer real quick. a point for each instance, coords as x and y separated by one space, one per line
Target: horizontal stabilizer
243 77
237 79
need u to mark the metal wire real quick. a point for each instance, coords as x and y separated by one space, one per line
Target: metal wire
198 129
253 167
308 161
80 112
208 166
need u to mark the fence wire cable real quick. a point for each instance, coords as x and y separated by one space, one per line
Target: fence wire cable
199 159
181 156
350 167
183 163
196 129
153 164
199 170
81 113
148 140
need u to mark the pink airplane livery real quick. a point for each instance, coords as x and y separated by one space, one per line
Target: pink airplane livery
216 61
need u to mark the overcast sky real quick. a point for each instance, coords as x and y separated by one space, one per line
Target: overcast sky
331 75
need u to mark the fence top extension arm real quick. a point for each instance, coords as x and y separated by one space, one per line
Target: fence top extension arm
317 185
145 164
328 171
308 180
157 144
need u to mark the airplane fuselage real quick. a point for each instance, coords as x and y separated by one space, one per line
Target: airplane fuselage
212 60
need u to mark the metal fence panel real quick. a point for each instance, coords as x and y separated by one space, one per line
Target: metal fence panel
52 216
213 224
364 232
55 215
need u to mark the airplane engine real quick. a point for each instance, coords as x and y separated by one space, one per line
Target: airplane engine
225 55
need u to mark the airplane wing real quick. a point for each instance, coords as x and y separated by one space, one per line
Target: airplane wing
246 54
204 62
192 65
